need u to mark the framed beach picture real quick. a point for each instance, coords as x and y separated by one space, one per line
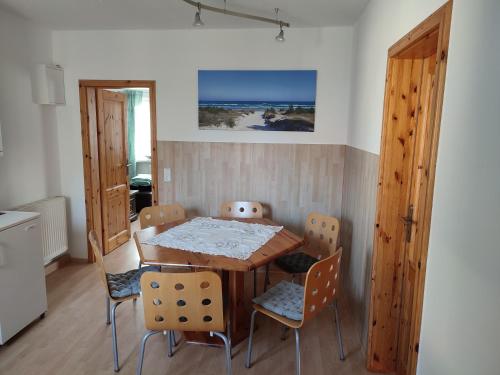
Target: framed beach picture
253 100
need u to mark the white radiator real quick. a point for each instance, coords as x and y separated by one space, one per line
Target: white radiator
54 227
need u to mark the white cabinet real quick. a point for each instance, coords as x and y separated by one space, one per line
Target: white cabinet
23 295
48 84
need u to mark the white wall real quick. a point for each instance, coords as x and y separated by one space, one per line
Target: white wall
172 58
460 327
382 24
29 169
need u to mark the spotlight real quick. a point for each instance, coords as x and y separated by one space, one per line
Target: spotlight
281 36
197 18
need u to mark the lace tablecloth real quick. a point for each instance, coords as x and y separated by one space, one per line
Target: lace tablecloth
234 239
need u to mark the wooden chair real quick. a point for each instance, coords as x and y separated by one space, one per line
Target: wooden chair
185 302
119 288
321 235
293 305
158 215
243 210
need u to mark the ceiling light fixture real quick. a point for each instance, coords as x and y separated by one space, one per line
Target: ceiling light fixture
281 36
197 18
198 22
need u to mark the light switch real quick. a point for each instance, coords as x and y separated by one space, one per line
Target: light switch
167 174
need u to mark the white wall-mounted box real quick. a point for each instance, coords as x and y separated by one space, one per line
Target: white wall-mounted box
48 84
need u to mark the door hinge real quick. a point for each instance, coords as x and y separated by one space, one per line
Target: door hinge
408 222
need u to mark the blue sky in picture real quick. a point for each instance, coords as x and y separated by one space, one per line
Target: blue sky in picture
257 85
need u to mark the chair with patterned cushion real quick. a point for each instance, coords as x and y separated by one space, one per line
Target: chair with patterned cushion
321 234
158 215
293 304
243 210
190 301
119 287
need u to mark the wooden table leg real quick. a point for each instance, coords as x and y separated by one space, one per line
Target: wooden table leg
239 315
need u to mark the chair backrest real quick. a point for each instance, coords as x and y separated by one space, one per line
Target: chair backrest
321 235
322 284
162 214
96 248
189 301
244 210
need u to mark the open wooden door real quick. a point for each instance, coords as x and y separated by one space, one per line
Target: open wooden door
412 110
113 172
105 154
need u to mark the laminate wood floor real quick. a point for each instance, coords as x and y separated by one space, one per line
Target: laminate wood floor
74 339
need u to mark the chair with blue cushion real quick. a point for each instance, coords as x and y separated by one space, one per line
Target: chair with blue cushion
293 304
321 234
119 287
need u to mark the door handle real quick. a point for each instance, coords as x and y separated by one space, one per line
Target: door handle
408 222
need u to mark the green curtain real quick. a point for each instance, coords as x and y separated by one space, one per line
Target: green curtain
134 98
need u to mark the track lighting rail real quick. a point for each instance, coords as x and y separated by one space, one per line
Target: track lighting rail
210 8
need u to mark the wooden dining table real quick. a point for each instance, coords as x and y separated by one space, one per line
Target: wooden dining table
233 271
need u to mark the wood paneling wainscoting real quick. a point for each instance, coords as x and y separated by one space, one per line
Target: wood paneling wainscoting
291 180
356 231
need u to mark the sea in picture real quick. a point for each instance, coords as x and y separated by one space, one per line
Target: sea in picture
287 100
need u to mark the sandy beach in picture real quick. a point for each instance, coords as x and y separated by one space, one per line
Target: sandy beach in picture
229 100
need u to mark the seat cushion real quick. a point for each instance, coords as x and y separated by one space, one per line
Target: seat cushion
126 284
285 299
296 262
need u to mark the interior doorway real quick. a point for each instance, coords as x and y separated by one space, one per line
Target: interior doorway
416 70
119 154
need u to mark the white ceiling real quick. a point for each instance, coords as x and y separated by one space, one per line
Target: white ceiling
175 14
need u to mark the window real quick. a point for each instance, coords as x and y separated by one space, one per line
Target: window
143 130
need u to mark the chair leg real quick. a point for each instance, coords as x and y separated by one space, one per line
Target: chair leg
250 341
339 332
227 345
140 264
108 308
174 339
170 343
113 336
140 360
229 338
266 279
297 351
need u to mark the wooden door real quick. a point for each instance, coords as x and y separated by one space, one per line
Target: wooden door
414 221
412 112
113 160
395 180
